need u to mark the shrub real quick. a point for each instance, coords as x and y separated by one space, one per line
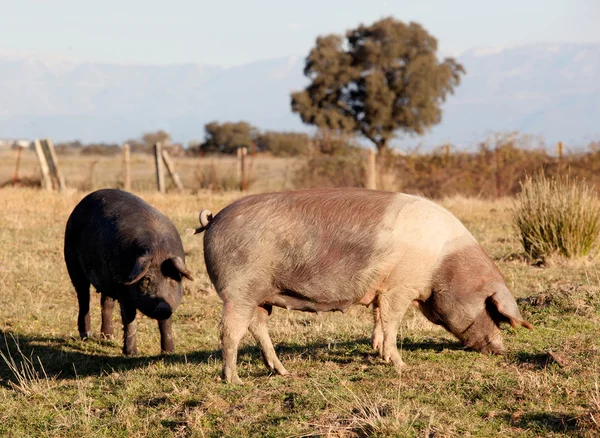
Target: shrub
331 171
556 216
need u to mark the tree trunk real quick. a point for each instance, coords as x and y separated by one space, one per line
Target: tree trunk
381 146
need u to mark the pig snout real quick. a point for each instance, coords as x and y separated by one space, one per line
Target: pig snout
162 311
157 308
486 346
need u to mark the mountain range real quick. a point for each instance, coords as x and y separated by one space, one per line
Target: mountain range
547 90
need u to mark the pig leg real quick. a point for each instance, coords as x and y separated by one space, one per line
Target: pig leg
82 287
260 330
128 311
234 324
377 335
108 304
392 307
167 345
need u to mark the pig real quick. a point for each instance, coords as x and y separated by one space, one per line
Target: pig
328 249
131 253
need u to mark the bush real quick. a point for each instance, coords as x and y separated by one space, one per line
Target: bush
332 171
285 144
556 216
101 149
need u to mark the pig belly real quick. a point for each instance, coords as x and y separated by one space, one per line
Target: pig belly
292 300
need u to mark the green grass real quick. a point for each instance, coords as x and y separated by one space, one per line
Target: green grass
58 385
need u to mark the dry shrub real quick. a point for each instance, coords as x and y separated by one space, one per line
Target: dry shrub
556 216
332 171
208 177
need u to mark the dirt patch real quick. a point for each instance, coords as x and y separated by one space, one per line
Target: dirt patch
581 300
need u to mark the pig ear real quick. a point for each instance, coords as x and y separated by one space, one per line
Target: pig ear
504 303
142 264
177 264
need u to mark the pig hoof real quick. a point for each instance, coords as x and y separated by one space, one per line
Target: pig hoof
85 335
377 344
395 360
235 380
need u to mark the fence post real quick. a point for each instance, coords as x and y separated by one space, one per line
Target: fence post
171 169
371 182
46 182
160 172
238 167
55 173
498 176
559 152
16 175
446 154
243 154
126 167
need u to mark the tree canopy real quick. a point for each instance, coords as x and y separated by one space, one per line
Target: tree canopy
377 80
228 136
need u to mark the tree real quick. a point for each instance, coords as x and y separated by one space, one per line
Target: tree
160 136
227 137
378 80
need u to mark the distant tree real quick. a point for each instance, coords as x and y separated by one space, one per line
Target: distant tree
160 136
194 147
285 143
101 149
377 80
68 147
148 140
226 137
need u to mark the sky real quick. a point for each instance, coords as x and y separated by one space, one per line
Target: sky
227 32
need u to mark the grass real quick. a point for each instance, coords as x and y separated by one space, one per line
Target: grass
557 216
88 173
54 384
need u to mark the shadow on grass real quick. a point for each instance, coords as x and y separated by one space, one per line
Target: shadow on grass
68 357
534 360
544 422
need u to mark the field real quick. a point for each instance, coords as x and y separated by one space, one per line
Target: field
85 172
54 384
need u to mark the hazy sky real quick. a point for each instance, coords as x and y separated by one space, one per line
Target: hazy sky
229 32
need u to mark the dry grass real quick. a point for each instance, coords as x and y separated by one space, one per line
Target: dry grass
339 386
86 173
557 216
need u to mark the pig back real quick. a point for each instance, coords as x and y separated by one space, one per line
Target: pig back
109 229
328 245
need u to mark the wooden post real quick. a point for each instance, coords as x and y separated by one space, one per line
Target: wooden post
160 172
243 168
16 175
498 176
126 167
559 152
371 182
55 173
46 181
446 153
171 169
212 175
238 168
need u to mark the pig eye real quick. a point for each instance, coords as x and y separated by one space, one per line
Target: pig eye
170 271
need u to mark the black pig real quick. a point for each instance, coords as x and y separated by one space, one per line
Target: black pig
131 253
